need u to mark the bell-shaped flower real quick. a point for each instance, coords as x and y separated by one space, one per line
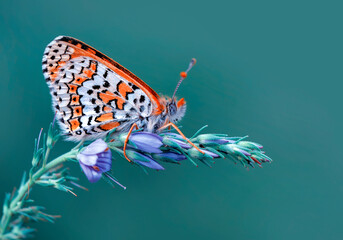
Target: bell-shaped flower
95 159
146 142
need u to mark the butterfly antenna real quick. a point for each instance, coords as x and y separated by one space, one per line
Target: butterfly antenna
183 75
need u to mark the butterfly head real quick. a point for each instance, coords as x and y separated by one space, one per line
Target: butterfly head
172 110
175 109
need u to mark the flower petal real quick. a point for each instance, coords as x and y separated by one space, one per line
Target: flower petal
92 175
88 160
243 151
175 143
107 154
198 155
151 164
146 136
147 142
95 147
214 155
144 160
104 162
182 144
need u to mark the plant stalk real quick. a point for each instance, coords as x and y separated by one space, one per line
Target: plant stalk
24 189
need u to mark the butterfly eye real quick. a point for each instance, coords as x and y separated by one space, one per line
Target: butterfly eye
155 127
172 108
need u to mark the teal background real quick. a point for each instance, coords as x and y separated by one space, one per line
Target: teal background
270 69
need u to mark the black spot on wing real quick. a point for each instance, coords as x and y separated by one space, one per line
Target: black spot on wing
97 109
106 84
89 120
105 74
78 132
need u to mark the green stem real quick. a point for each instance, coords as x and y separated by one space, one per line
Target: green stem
46 156
24 189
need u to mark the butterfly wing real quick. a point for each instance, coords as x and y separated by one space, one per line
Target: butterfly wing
92 93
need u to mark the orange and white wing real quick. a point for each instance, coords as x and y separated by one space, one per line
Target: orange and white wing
92 93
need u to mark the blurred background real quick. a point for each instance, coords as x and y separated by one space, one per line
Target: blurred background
269 69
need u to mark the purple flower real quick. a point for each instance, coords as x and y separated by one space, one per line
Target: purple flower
182 143
95 159
243 152
174 141
196 154
146 142
143 160
211 154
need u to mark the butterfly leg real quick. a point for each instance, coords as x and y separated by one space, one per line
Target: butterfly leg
127 140
170 124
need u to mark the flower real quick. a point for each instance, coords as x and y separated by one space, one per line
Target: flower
174 140
148 149
146 142
198 155
143 159
95 159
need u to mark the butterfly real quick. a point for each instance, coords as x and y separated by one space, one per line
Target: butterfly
92 94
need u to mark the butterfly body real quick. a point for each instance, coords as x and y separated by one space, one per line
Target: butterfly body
92 94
